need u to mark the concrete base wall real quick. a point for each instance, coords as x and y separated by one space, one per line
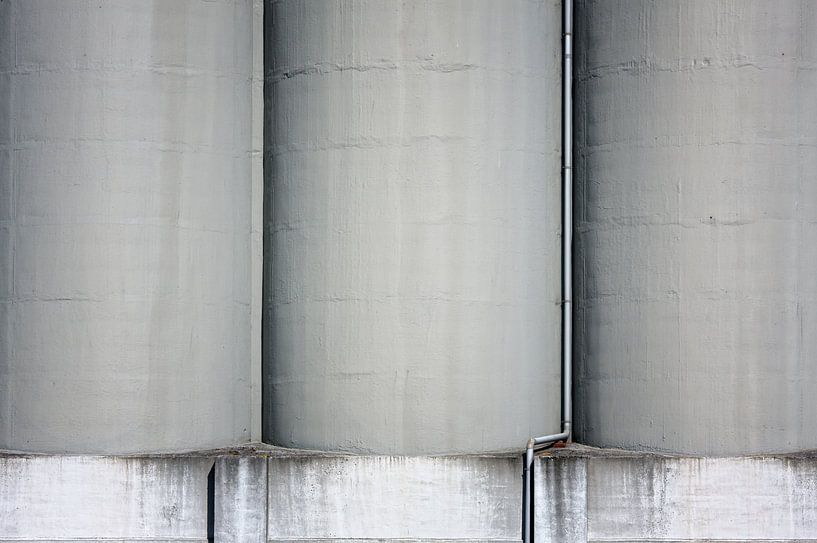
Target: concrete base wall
76 498
257 497
668 498
278 495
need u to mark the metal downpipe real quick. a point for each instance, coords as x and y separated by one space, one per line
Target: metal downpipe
567 275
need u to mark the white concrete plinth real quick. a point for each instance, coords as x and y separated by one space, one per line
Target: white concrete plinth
272 495
642 497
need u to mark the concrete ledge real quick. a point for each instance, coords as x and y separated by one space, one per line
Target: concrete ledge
273 495
259 495
375 497
241 499
560 498
650 497
75 498
391 540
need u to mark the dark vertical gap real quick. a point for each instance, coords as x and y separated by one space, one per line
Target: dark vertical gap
524 503
527 506
532 500
211 504
266 222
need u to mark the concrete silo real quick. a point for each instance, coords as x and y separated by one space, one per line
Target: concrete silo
696 232
413 287
124 224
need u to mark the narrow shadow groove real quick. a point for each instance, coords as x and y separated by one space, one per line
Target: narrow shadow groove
211 504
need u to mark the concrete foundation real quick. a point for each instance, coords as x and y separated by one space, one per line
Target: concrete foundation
80 498
412 301
624 497
125 224
696 232
273 495
257 496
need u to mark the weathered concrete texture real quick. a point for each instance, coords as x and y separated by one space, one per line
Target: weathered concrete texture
412 302
241 499
702 498
660 498
311 496
278 495
79 498
560 498
125 188
377 497
696 234
256 324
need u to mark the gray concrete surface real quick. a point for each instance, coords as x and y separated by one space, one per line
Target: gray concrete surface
241 499
257 218
80 498
126 172
391 497
581 495
560 498
610 497
412 301
311 496
696 234
702 498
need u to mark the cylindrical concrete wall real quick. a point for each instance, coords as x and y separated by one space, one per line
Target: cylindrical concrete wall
413 158
124 224
696 228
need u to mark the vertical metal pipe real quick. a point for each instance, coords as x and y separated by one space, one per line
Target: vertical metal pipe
567 221
567 275
527 482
